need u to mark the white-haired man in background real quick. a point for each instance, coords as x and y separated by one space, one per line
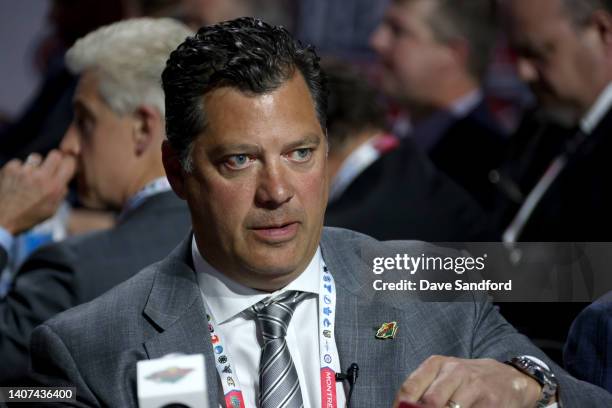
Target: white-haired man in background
115 140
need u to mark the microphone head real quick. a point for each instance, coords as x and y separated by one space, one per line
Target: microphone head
354 370
353 373
175 381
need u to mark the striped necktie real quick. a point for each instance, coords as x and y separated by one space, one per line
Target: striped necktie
279 386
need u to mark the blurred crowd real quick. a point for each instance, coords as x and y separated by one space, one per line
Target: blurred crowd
448 121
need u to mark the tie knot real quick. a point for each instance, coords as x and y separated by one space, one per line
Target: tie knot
275 314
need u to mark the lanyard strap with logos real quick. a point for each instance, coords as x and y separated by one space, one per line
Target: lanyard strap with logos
328 354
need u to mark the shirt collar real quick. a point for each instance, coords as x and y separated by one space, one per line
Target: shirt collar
356 162
226 298
464 105
159 185
428 132
598 110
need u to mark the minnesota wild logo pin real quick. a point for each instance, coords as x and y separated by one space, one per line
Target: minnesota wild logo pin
170 375
387 331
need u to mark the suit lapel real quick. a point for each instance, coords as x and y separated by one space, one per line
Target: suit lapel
175 307
358 316
356 326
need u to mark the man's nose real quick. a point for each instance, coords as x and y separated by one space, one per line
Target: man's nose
379 39
526 70
70 143
273 187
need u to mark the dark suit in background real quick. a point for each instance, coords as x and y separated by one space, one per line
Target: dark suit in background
465 147
161 311
60 276
577 205
588 351
403 196
530 150
575 208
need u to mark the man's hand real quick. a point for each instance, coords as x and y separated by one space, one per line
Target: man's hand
31 192
480 383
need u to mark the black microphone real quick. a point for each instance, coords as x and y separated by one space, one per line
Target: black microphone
351 376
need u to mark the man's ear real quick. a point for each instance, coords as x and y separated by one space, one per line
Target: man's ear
174 169
148 129
603 22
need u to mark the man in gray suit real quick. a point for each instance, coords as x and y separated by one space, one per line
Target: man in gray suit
273 301
115 139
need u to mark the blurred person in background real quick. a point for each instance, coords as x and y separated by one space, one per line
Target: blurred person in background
434 55
356 126
41 128
564 53
380 188
588 351
115 140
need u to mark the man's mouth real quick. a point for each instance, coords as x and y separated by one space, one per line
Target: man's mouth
276 232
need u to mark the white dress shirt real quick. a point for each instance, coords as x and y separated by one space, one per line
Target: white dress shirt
229 302
356 162
597 111
462 106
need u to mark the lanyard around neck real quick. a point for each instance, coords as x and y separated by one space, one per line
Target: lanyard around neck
328 355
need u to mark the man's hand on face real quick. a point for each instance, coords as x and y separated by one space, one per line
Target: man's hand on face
482 383
31 192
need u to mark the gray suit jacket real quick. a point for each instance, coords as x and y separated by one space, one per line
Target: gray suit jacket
77 270
159 311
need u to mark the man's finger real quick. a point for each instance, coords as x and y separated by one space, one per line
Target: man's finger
66 169
415 385
51 163
33 159
11 167
467 396
449 379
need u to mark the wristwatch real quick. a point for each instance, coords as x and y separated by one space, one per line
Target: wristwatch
541 374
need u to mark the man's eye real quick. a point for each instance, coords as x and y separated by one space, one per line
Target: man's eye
399 31
300 155
238 161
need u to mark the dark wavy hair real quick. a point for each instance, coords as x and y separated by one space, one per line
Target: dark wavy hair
247 54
